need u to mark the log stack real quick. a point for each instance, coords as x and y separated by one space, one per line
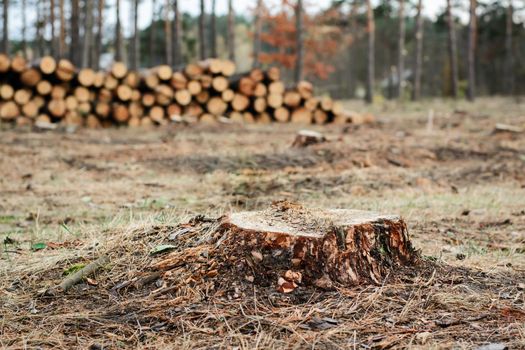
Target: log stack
55 91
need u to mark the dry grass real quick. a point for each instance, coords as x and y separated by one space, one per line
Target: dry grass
122 192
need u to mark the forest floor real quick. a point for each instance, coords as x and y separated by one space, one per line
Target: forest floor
68 197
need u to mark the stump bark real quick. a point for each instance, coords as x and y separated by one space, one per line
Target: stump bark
288 245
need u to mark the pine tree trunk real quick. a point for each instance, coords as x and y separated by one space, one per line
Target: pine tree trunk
231 31
167 33
62 33
118 35
419 52
5 27
257 34
299 41
452 50
38 25
352 52
136 36
24 28
202 43
152 34
371 53
213 31
74 53
52 22
177 34
88 34
98 40
509 57
401 48
472 30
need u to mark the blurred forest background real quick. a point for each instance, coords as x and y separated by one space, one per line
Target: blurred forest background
351 49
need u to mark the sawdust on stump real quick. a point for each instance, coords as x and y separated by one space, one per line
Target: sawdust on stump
291 245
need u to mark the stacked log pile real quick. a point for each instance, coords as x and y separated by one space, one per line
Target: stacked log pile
51 91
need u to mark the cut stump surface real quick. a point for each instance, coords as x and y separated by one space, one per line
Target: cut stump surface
320 246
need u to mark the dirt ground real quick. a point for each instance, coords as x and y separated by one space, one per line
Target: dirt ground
459 185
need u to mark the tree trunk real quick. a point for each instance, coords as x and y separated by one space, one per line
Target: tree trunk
136 36
118 35
24 28
5 27
299 41
371 52
213 31
88 34
472 35
38 40
418 68
401 48
62 33
152 34
257 34
452 50
52 22
509 57
167 34
231 31
74 53
288 246
177 34
98 40
202 43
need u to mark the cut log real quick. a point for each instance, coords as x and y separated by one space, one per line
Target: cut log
124 92
327 103
203 97
5 63
164 72
92 122
71 103
148 100
82 94
120 113
119 70
240 102
6 92
47 65
65 70
228 95
58 92
57 107
9 110
183 97
193 71
22 96
194 87
30 77
320 116
206 81
292 98
179 81
208 118
289 245
257 75
30 109
275 100
216 106
132 80
220 83
228 68
282 114
86 77
305 89
136 110
236 117
259 104
301 116
174 110
44 88
277 87
156 114
110 83
260 90
18 64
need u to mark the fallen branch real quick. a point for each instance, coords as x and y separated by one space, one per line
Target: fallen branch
78 276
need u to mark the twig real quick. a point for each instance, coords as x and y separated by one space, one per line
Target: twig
77 277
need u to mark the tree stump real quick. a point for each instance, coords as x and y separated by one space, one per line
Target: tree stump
289 245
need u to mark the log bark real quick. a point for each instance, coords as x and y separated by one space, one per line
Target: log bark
289 245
